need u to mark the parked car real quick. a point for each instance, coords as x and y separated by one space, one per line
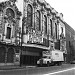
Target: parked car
72 62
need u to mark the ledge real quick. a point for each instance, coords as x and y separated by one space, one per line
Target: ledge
37 46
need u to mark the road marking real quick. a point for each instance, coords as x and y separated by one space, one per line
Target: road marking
59 71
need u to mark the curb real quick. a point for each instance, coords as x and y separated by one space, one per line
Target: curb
12 68
30 66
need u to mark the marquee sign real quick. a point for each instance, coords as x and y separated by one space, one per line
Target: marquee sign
35 37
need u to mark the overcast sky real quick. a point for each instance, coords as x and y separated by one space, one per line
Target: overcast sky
67 7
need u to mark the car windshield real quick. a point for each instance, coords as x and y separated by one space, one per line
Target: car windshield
44 57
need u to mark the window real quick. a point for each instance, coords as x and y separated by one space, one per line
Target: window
57 45
62 29
8 35
56 30
38 19
45 24
29 15
74 37
10 13
51 27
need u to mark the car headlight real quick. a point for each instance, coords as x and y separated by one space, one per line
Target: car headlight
38 62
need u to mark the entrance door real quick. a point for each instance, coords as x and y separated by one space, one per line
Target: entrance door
2 54
10 55
29 60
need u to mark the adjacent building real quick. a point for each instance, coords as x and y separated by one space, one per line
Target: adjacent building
70 42
9 30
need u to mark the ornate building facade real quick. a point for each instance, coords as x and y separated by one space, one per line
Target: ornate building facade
9 29
43 29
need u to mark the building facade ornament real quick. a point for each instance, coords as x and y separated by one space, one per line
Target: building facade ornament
10 17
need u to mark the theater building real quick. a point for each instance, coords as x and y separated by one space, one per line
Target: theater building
42 29
9 28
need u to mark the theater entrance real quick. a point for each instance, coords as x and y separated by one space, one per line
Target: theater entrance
30 56
30 60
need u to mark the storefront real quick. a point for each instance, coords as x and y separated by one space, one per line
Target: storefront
8 54
30 55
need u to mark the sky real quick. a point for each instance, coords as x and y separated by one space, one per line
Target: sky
66 7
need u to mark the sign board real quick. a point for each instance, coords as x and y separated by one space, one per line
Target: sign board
46 53
35 37
17 58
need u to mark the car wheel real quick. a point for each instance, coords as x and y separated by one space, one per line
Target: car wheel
48 64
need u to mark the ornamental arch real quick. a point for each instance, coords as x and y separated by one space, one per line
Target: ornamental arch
2 54
10 55
10 12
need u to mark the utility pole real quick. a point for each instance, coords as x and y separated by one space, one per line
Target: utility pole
21 61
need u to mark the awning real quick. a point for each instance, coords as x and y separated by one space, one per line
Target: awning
36 46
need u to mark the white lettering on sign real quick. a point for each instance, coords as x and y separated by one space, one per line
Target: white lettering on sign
57 54
45 53
35 37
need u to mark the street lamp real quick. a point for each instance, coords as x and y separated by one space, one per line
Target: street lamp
24 22
21 59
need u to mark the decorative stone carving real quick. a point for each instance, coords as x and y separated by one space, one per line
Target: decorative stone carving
11 15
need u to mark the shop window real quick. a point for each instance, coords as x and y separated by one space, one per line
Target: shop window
8 35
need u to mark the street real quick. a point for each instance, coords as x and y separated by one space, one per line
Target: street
70 71
66 69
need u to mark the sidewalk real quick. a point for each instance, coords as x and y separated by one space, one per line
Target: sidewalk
11 67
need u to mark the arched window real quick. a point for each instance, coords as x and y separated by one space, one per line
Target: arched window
29 15
10 13
56 30
38 19
51 27
45 24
